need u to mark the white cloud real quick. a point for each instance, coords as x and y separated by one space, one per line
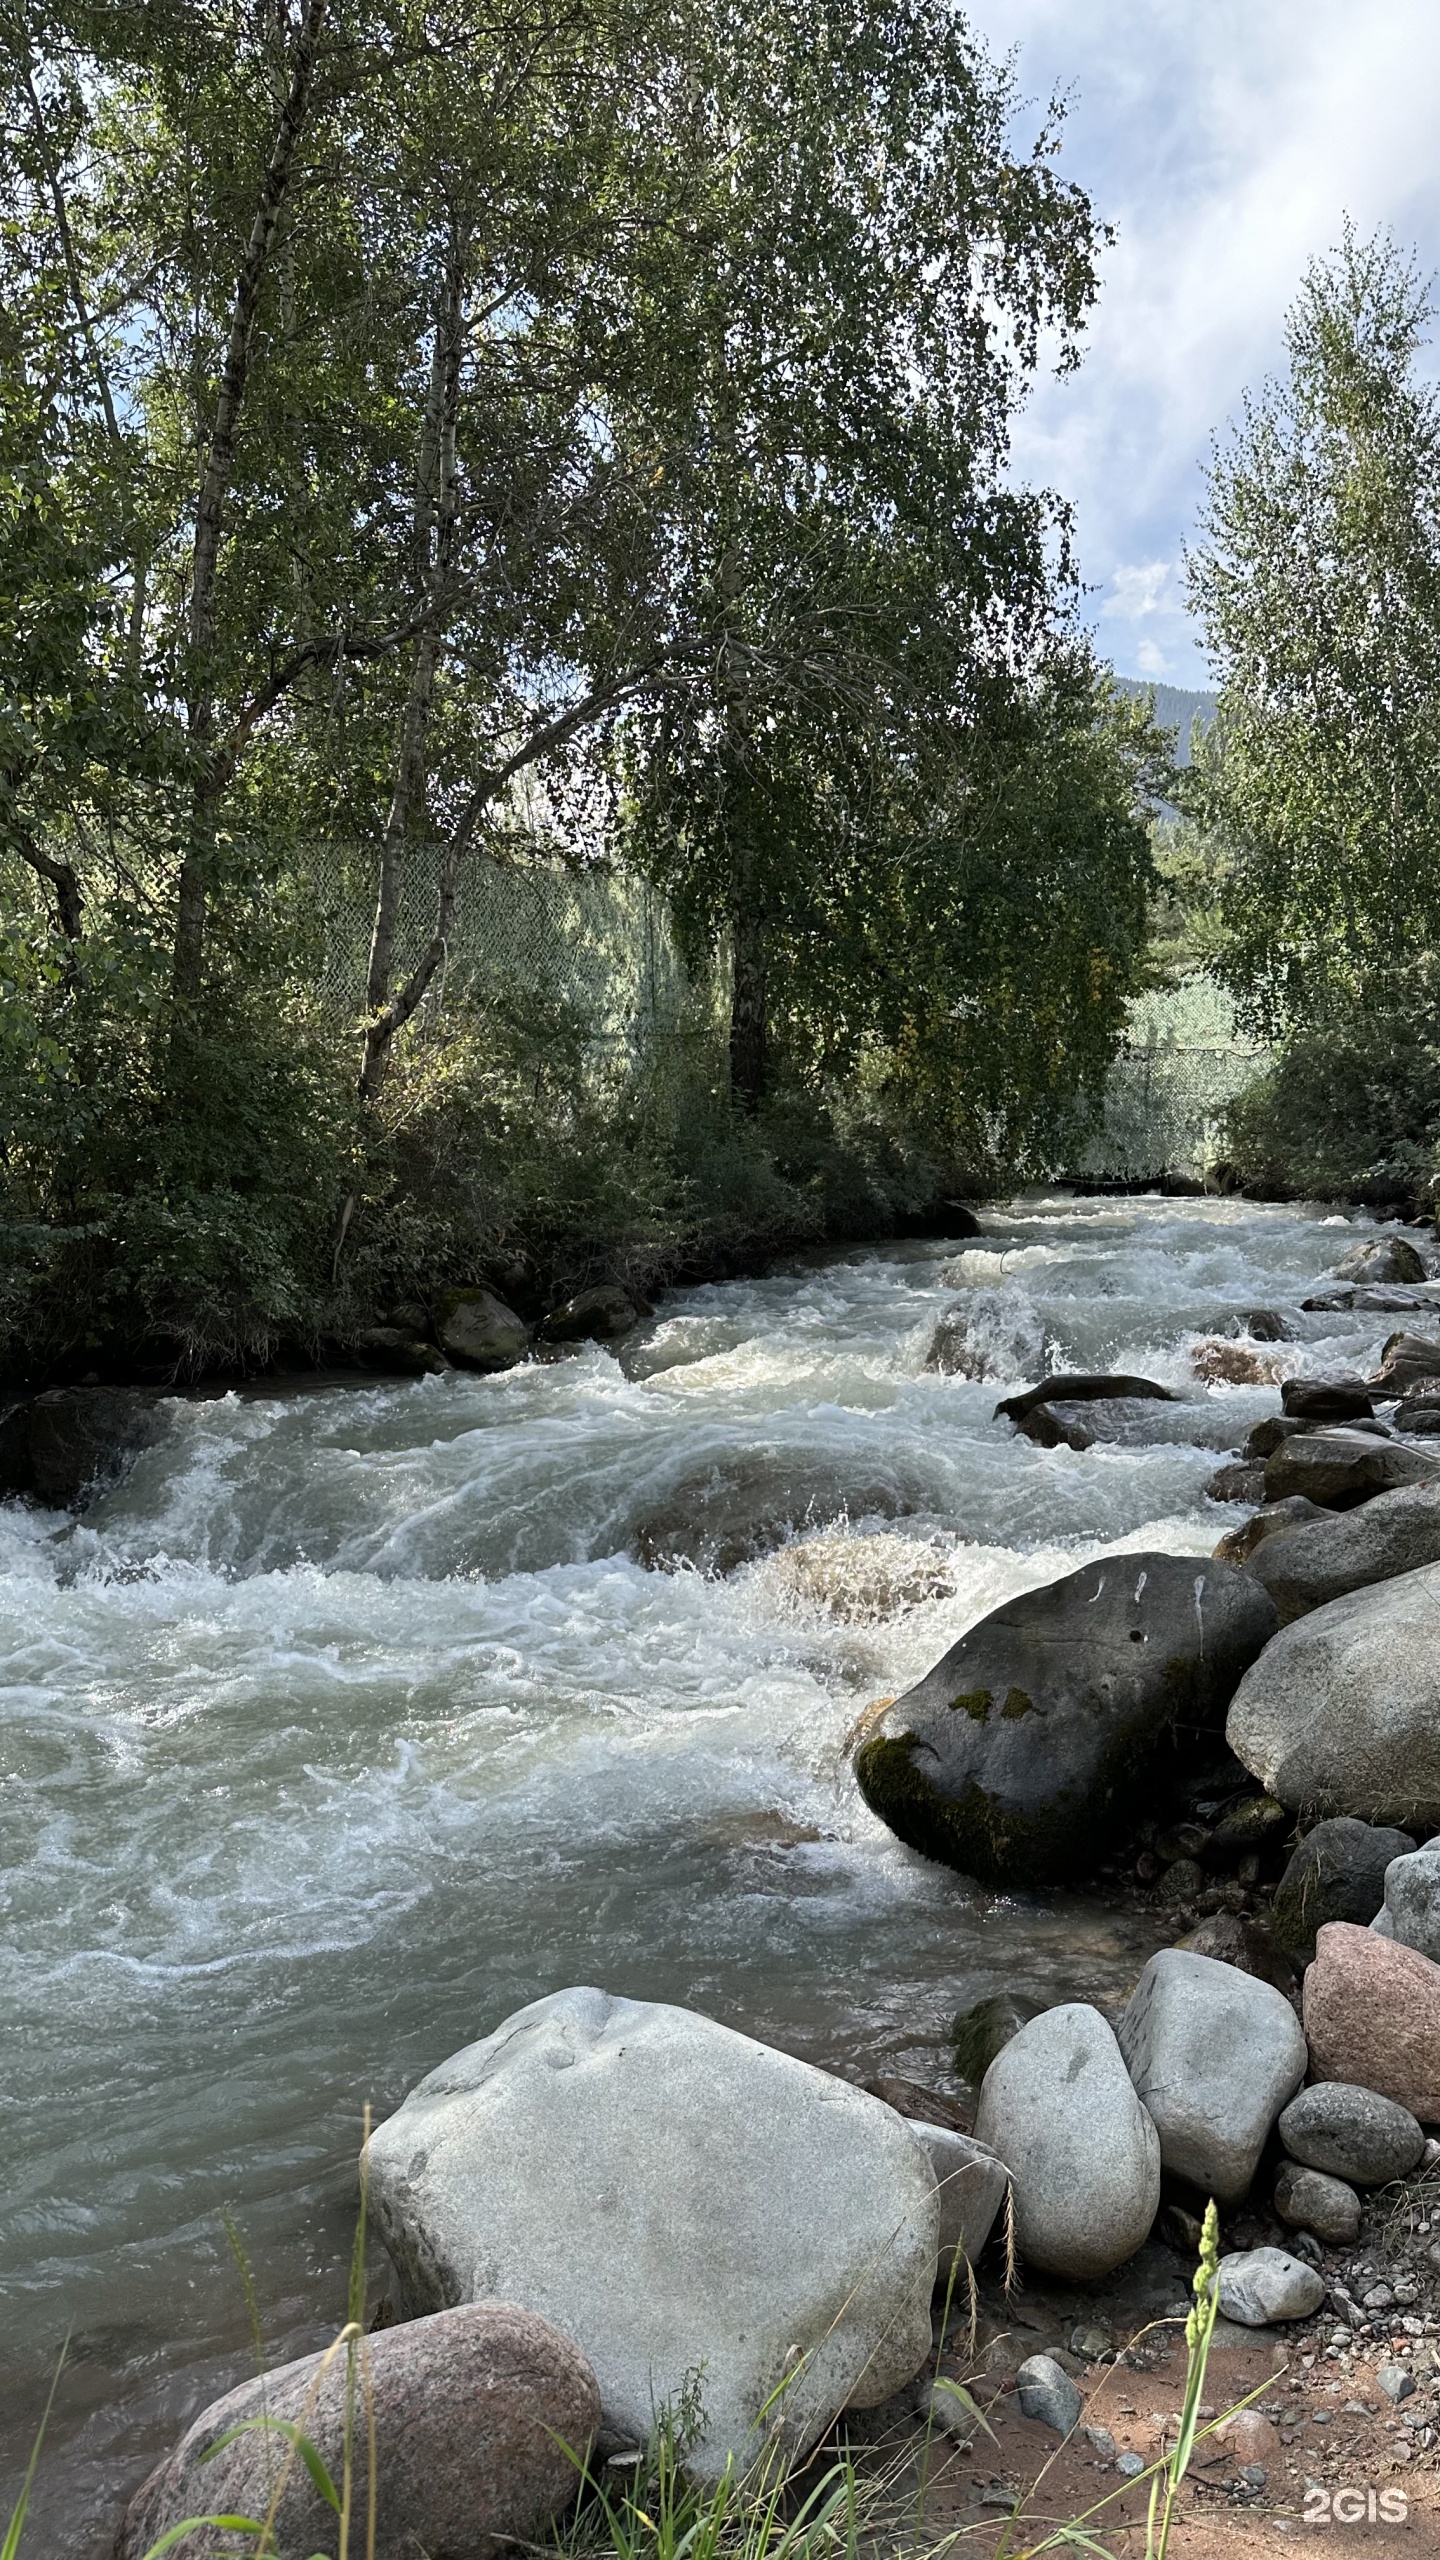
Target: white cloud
1227 144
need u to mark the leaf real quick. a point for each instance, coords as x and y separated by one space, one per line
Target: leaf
972 2409
189 2524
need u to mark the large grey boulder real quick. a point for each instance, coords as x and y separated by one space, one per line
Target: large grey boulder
1386 1260
1337 1873
972 2183
477 1330
473 2410
1035 1741
1214 2054
1059 2107
1305 1565
1340 1468
1351 2133
1341 1714
1410 1913
673 2196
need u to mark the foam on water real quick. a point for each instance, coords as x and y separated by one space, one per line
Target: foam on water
349 1721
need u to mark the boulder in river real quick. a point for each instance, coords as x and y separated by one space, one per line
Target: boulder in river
474 2409
1237 1364
674 2196
80 1440
988 1333
394 1353
1214 2054
1275 1520
1053 1430
1060 2108
1385 1260
1238 1482
1339 1714
1351 2133
477 1330
1407 1361
1339 1469
1372 2016
1038 1737
1410 1913
1313 1561
1074 1386
978 2034
595 1315
1337 1873
1326 1399
746 1504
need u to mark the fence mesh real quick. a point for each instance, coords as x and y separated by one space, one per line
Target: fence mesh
1182 1062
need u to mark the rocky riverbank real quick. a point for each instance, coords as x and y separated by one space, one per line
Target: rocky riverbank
1247 1746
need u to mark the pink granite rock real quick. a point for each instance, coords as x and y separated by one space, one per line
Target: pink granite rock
1372 2016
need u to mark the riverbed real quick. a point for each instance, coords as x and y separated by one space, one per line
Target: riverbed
351 1720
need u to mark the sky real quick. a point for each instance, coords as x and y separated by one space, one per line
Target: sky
1226 141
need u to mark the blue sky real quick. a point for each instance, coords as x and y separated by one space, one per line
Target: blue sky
1226 142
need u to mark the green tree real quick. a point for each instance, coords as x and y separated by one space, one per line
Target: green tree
1317 580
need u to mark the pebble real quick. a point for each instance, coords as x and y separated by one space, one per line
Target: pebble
1046 2392
1129 2465
1396 2381
1260 2285
1103 2442
1314 2202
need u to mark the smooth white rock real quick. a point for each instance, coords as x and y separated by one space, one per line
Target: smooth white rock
672 2195
1084 2158
1261 2285
972 2183
1341 1712
1214 2054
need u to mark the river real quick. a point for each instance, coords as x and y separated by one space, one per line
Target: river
349 1722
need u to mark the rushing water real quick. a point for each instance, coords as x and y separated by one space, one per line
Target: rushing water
349 1722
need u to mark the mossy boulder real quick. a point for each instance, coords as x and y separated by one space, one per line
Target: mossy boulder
478 1331
1054 1724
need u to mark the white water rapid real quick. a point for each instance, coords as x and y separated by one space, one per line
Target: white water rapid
349 1721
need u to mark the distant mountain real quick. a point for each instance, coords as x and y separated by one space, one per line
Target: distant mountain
1174 708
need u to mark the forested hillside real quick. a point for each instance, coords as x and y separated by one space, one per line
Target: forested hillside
432 446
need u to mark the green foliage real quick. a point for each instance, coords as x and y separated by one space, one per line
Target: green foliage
1318 584
1351 1109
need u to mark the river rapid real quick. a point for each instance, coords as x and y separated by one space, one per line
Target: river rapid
349 1722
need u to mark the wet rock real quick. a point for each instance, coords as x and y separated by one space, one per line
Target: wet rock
1263 1324
477 1330
393 1353
1338 1715
1059 2107
1182 1880
1337 1873
972 2184
473 2411
1326 1400
81 1440
745 1506
1251 1824
1033 1744
1339 1468
1236 1364
864 1581
1236 1483
928 2106
595 1315
1214 2054
1260 2285
1372 2016
1074 1386
1422 1419
1053 1430
1313 2201
988 1334
1047 2394
1387 1259
1407 1361
1228 1938
1410 1913
1351 2133
1267 1436
978 2034
672 2195
1335 1552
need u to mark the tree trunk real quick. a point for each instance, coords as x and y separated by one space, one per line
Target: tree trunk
747 1000
188 956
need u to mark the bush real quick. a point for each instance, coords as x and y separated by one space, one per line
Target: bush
1351 1111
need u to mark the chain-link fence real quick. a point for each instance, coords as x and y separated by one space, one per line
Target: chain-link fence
1183 1061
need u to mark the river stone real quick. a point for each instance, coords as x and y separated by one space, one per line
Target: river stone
403 1355
1372 2015
1228 1938
1326 1400
745 1504
1046 2393
1260 2285
1053 1430
1418 1418
1342 1468
1389 1259
1236 1364
1305 1565
1214 2054
673 2196
1313 2201
972 2184
1410 1913
80 1440
1034 1743
474 2409
478 1331
1080 1386
1237 1482
980 2033
1337 1873
1408 1360
596 1315
1059 2107
1341 1714
1351 2133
